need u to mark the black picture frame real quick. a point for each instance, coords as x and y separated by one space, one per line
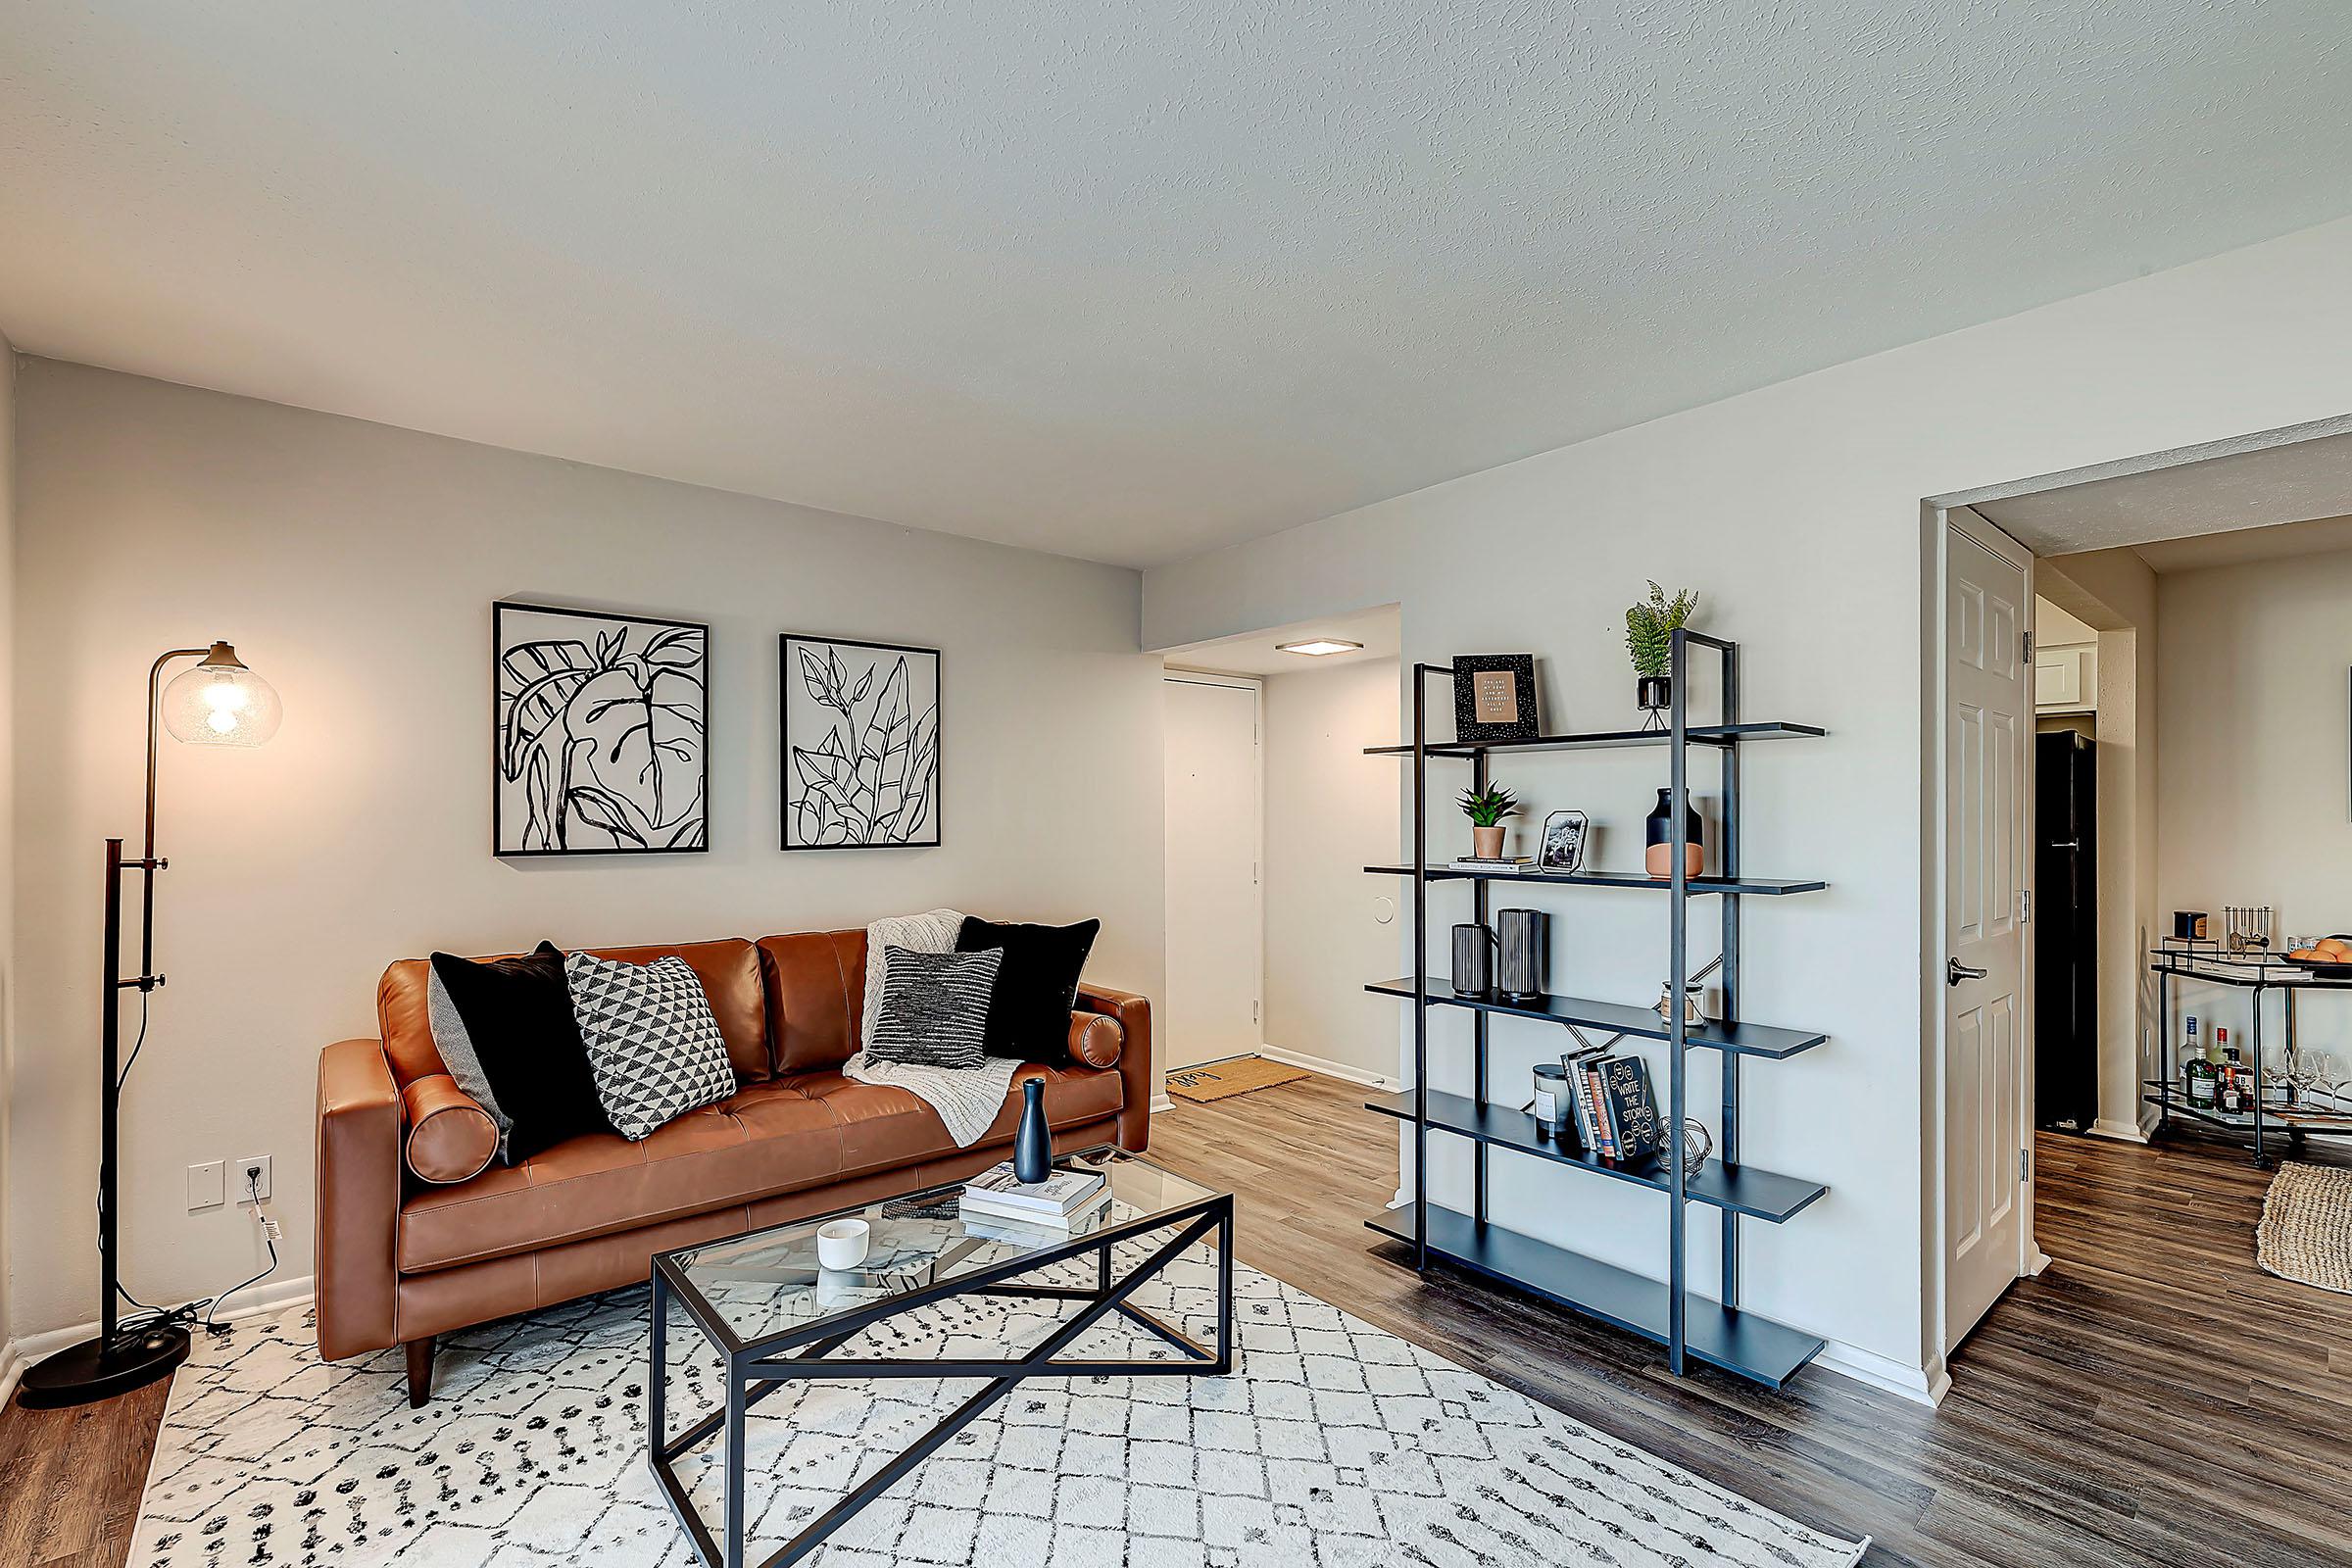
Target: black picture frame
666 681
1566 833
1525 722
804 773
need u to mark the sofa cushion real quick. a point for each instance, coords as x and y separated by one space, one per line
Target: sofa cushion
729 969
601 1184
817 997
883 1126
515 1025
802 1131
653 1048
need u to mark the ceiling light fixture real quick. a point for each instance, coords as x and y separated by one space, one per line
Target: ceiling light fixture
1318 646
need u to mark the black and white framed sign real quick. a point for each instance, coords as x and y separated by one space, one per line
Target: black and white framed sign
861 723
600 743
1494 696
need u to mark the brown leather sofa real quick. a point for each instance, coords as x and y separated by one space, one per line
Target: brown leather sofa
401 1259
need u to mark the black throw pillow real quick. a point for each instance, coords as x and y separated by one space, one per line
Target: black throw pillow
1037 985
519 1020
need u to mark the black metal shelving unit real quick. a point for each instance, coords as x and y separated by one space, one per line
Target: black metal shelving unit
1690 1326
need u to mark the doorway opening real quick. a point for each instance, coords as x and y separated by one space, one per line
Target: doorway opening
2184 823
1272 808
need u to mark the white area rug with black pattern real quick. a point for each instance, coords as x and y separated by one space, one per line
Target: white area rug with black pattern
1333 1445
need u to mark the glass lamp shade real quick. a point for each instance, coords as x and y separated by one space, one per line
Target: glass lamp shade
220 702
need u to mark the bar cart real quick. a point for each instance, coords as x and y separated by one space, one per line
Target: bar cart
2261 974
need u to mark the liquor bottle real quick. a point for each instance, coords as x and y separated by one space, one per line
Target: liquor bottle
2200 1079
2237 1086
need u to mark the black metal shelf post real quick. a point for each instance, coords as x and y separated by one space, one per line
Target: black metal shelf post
1717 1333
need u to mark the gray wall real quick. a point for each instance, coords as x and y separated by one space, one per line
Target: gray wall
1796 509
354 565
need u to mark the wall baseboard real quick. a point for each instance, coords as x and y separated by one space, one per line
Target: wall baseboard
2120 1132
18 1353
1925 1385
1327 1068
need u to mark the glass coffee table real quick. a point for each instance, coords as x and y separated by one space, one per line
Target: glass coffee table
774 1317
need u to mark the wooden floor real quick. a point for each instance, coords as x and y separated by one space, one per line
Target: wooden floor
2151 1400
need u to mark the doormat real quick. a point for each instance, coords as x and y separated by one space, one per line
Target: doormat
1222 1080
2306 1230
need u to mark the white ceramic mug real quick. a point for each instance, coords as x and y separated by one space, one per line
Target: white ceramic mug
841 1244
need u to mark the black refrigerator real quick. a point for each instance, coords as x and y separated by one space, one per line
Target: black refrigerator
2065 932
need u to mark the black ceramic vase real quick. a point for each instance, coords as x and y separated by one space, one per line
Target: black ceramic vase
1657 836
1033 1144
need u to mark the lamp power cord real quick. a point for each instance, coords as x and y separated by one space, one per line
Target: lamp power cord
144 1317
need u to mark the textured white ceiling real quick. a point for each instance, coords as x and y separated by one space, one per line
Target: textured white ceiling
1260 653
1126 281
2254 489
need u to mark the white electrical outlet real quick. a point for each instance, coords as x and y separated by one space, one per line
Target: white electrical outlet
205 1185
237 1172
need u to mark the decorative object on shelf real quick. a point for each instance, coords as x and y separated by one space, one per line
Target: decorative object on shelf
1695 988
860 744
2326 958
1657 836
1494 696
1487 808
601 733
2190 925
1032 1142
1472 949
219 702
2247 929
1650 628
1563 848
1554 1108
1522 937
1698 1144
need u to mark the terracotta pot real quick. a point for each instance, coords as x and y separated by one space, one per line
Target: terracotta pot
1486 842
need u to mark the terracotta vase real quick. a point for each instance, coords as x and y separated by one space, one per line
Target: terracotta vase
1486 842
1657 857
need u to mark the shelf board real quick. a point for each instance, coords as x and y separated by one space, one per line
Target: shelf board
1742 1038
2276 1119
1742 1189
1720 1335
1766 886
1723 735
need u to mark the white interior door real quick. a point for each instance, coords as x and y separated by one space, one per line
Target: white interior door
1987 730
1216 918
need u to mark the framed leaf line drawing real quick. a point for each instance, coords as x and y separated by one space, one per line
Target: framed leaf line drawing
861 726
600 741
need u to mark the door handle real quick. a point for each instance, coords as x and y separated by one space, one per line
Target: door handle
1954 971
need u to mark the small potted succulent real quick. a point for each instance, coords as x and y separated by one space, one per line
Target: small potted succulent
1486 809
1650 628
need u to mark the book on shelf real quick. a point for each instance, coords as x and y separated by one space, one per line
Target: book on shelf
1632 1111
1509 865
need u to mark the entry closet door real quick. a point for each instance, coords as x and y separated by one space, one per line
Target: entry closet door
1215 916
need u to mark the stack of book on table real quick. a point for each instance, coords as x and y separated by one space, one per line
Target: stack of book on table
1508 866
1063 1202
1616 1113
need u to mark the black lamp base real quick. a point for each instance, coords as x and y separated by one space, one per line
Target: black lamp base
93 1370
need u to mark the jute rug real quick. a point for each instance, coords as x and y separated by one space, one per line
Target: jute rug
2306 1230
1222 1080
1334 1444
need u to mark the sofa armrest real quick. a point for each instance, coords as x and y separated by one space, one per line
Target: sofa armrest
359 1198
1134 1014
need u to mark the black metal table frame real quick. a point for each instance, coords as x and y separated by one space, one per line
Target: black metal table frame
2176 964
756 1368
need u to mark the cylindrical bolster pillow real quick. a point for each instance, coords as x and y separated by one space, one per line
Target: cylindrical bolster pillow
451 1137
1095 1039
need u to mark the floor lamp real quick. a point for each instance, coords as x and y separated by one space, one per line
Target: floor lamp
216 703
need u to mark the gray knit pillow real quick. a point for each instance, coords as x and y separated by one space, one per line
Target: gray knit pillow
934 1009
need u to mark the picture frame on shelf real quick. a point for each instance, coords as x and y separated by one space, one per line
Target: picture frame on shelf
1563 844
1494 698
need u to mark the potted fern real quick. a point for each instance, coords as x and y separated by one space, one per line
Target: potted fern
1650 628
1486 809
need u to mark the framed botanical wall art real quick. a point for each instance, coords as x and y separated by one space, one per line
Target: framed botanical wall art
600 740
860 744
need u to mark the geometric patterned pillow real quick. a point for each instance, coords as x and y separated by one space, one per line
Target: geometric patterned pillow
654 1048
935 1008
